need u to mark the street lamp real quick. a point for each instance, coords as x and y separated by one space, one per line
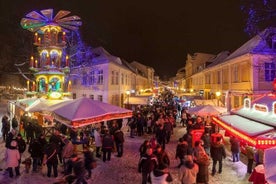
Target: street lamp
218 93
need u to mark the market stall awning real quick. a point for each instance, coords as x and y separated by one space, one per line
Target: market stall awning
207 110
267 118
254 133
85 111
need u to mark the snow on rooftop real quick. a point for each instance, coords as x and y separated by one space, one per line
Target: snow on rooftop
250 127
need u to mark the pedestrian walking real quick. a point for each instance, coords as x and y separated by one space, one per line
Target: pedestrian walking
36 150
98 142
250 157
119 142
203 162
181 151
188 171
217 154
107 146
235 148
12 157
147 163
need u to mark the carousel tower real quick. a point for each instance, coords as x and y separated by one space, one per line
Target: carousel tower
50 64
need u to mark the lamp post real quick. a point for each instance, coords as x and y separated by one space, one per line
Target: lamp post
127 93
218 93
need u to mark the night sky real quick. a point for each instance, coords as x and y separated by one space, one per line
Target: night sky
156 33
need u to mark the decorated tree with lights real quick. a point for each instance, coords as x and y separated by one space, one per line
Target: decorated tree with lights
260 14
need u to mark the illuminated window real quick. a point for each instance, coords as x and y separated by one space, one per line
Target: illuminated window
100 77
117 78
112 77
235 73
122 78
269 71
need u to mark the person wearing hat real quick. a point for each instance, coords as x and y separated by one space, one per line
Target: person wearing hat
188 171
12 157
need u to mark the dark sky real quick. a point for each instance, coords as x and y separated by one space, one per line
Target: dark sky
156 33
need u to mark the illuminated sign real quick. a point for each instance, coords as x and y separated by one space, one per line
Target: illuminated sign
55 95
259 107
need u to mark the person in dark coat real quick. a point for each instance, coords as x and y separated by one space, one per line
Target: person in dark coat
181 151
51 159
5 127
107 146
88 160
203 162
235 148
206 138
29 132
21 144
147 163
161 156
35 149
143 147
161 136
119 142
217 154
57 140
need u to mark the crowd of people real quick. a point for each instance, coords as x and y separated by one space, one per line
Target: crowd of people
157 121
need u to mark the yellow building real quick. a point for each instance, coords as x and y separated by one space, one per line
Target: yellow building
248 71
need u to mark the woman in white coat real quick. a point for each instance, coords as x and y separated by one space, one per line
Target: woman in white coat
12 157
98 141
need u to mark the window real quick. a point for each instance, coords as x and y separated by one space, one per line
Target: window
83 95
100 98
208 79
91 97
235 73
269 71
100 77
122 78
112 77
117 78
218 76
91 79
126 80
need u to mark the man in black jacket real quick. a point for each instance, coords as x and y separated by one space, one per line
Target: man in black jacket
147 163
217 154
119 141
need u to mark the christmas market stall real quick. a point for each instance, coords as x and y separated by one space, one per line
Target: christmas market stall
85 111
254 123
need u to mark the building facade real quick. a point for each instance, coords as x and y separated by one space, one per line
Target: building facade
248 71
108 79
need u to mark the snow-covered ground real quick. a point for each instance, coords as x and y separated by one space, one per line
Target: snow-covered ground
124 170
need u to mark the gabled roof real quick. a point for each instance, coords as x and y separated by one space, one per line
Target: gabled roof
218 59
100 55
257 44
